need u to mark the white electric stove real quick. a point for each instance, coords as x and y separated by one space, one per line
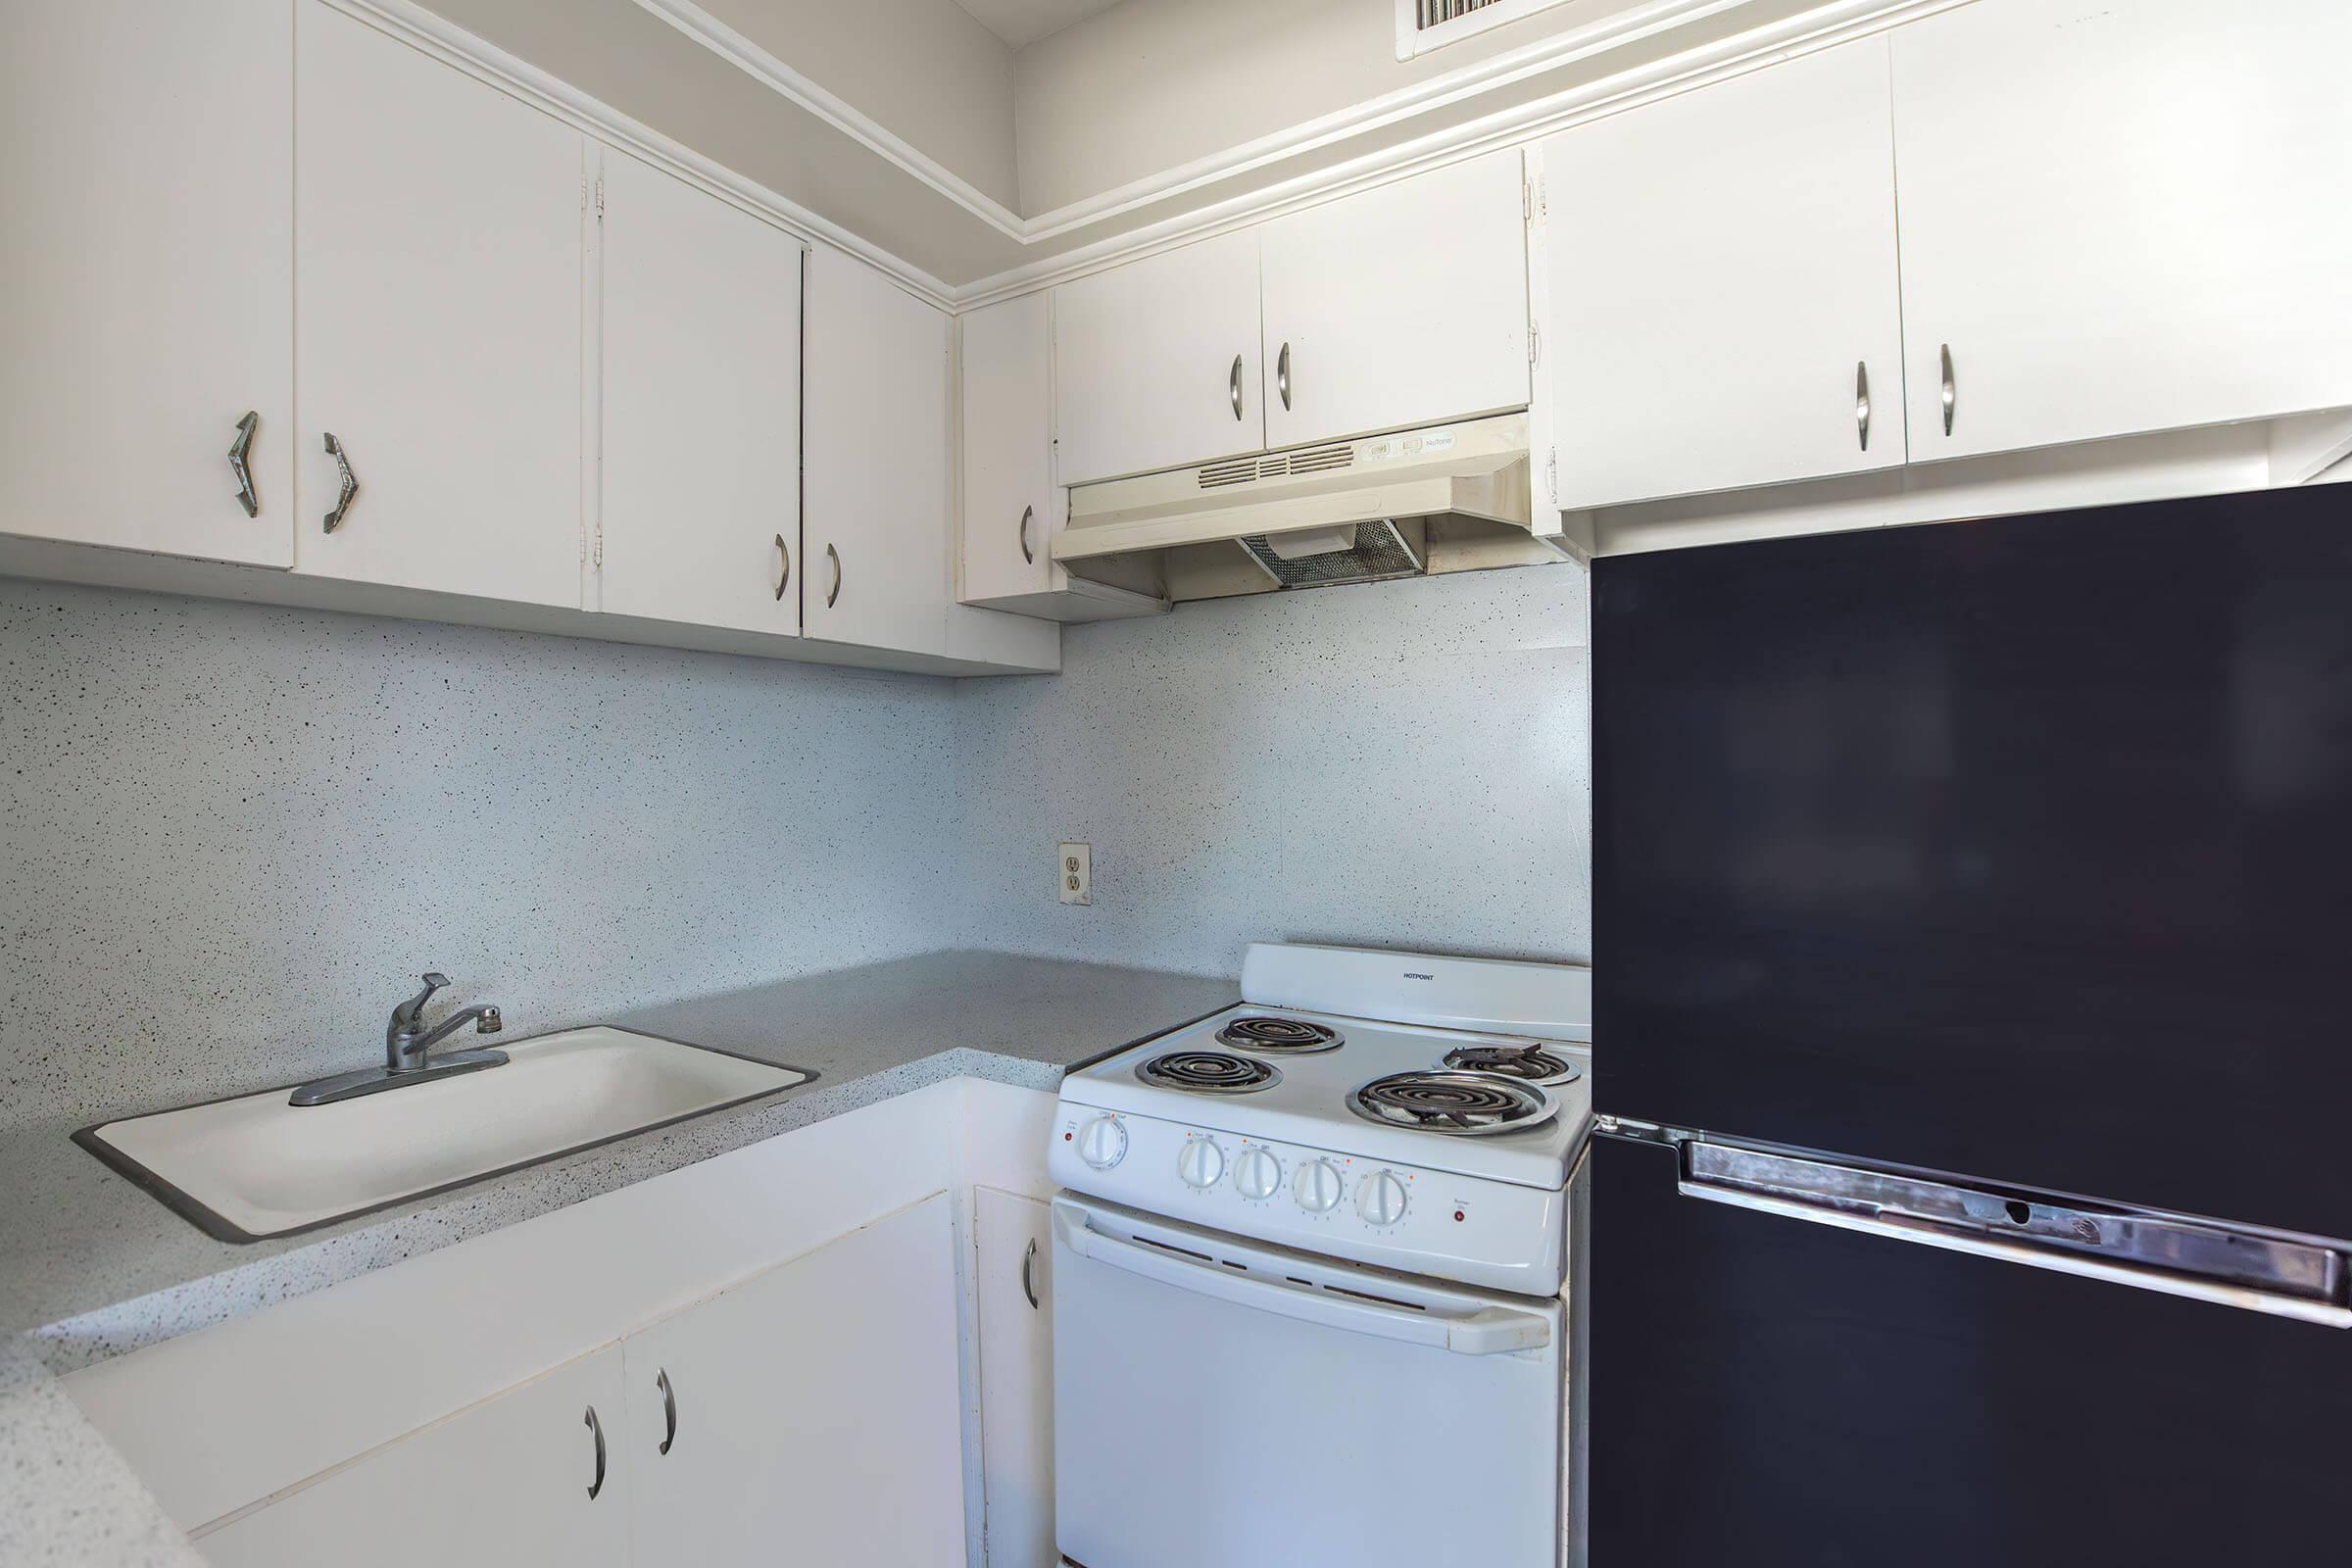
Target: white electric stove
1322 1229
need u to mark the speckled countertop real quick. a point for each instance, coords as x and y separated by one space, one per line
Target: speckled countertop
97 1267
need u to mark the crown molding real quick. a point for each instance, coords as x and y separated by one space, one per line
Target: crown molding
1822 28
1824 25
484 61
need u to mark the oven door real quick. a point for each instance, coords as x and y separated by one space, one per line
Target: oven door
1224 1402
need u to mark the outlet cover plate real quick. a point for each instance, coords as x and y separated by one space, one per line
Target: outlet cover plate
1073 874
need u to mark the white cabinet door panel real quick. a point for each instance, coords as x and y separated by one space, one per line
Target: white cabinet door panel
503 1483
875 530
701 507
1156 364
1722 273
146 240
1400 306
1015 1252
817 1410
437 283
2123 218
1008 403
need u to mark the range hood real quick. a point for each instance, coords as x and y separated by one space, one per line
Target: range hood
1445 498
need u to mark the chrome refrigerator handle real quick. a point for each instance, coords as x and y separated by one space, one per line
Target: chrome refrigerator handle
2260 1270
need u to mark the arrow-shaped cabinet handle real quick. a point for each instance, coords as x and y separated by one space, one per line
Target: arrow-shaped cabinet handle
239 451
347 490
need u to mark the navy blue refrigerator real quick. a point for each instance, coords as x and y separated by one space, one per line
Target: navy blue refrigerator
1973 959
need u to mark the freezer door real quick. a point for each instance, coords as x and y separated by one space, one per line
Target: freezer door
1773 1391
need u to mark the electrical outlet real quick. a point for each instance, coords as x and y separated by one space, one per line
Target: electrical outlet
1073 874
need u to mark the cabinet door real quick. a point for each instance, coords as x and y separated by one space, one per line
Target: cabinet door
1156 364
1008 493
874 568
2123 218
538 1475
1723 285
701 506
1015 1252
810 1414
146 221
1405 305
437 283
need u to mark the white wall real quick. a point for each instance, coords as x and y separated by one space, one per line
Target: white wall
1393 765
1152 85
923 68
232 836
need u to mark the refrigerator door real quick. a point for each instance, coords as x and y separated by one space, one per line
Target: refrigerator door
1772 1393
2018 848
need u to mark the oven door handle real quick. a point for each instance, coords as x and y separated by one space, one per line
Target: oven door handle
1487 1331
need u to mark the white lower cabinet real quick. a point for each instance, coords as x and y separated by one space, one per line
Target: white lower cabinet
538 1475
809 1414
1015 1250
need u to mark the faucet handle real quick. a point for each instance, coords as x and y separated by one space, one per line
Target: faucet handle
409 1013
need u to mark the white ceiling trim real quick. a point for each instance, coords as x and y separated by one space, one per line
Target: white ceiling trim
1834 22
773 73
1831 25
450 44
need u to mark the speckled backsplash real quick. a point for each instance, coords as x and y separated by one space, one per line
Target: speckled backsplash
229 834
1396 764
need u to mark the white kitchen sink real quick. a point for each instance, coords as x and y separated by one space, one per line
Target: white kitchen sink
256 1167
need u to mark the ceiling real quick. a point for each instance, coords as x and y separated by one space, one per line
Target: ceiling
1020 23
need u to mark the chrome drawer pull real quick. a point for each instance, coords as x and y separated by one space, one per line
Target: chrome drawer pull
1029 1273
348 487
784 574
833 592
1282 373
1862 402
1027 554
669 1410
1951 390
1233 386
238 451
597 1429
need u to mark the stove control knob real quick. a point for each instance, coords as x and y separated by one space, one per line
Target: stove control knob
1102 1142
1317 1186
1257 1174
1381 1198
1199 1162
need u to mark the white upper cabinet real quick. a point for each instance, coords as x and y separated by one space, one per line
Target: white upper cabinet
874 568
701 506
1404 305
2122 217
1009 492
812 1414
1722 285
438 252
1157 363
146 223
537 1477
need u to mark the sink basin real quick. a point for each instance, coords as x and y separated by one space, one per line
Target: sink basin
255 1167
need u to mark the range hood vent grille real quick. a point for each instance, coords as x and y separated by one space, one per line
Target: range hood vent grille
1242 471
1379 551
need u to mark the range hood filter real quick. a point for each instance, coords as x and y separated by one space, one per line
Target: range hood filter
1371 551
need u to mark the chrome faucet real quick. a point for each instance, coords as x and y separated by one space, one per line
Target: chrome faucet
407 1050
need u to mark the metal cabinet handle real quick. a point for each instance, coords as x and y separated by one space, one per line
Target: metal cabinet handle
1282 373
238 451
669 1410
348 488
1027 554
1951 390
784 574
833 592
1862 402
1029 1273
597 1429
1233 385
